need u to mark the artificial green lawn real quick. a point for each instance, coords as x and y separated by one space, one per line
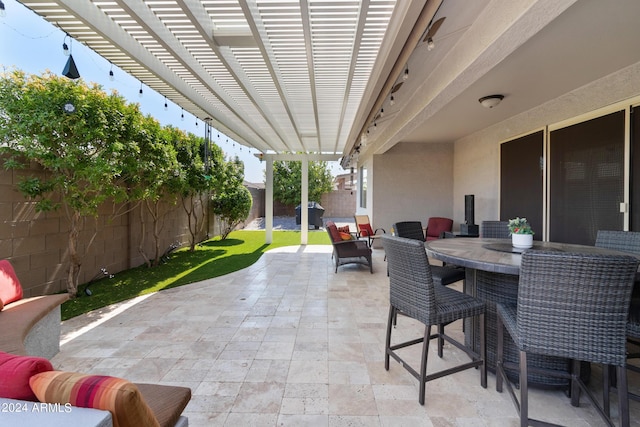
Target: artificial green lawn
211 258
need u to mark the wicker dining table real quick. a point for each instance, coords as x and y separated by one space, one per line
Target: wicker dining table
492 268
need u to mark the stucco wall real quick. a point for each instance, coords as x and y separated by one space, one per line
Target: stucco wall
411 182
476 166
416 181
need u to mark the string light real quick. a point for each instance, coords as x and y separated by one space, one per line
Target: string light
3 12
65 46
392 101
430 44
166 106
406 74
111 76
140 91
182 114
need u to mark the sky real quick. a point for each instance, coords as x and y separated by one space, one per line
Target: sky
33 45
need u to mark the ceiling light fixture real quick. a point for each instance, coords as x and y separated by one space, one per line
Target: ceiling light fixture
490 101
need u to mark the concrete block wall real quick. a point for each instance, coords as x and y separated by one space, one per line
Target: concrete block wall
36 243
339 204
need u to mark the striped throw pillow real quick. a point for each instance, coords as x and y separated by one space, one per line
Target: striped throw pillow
116 395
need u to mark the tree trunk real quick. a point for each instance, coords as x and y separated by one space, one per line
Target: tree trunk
75 262
143 231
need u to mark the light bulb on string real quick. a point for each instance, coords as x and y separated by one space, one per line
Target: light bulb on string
140 91
65 47
166 106
111 75
182 115
392 101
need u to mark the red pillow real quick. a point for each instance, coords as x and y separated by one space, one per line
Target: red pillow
365 230
15 372
344 229
10 289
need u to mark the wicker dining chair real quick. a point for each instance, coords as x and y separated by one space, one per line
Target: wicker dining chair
571 305
414 294
627 241
442 275
494 229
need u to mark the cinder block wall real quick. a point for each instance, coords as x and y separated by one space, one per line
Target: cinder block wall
36 243
339 204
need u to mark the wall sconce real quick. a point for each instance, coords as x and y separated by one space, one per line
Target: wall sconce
490 101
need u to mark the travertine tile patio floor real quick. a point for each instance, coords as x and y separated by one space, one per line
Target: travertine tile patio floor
287 342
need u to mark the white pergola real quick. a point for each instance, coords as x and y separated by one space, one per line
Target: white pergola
280 76
293 79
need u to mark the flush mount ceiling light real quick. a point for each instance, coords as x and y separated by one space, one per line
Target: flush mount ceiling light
490 101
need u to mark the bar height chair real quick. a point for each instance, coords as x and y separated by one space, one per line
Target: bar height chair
571 305
627 241
442 274
494 229
413 292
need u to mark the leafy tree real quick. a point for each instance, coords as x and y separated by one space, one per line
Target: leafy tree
194 177
232 200
151 180
79 135
287 177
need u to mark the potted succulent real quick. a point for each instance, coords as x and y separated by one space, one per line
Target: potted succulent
521 233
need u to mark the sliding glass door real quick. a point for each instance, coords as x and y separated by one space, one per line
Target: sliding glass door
586 179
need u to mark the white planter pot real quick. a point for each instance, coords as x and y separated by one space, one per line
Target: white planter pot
522 241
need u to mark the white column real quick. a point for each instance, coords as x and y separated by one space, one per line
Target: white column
268 201
304 211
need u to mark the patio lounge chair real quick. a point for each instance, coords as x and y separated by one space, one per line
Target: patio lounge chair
437 226
347 250
366 230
